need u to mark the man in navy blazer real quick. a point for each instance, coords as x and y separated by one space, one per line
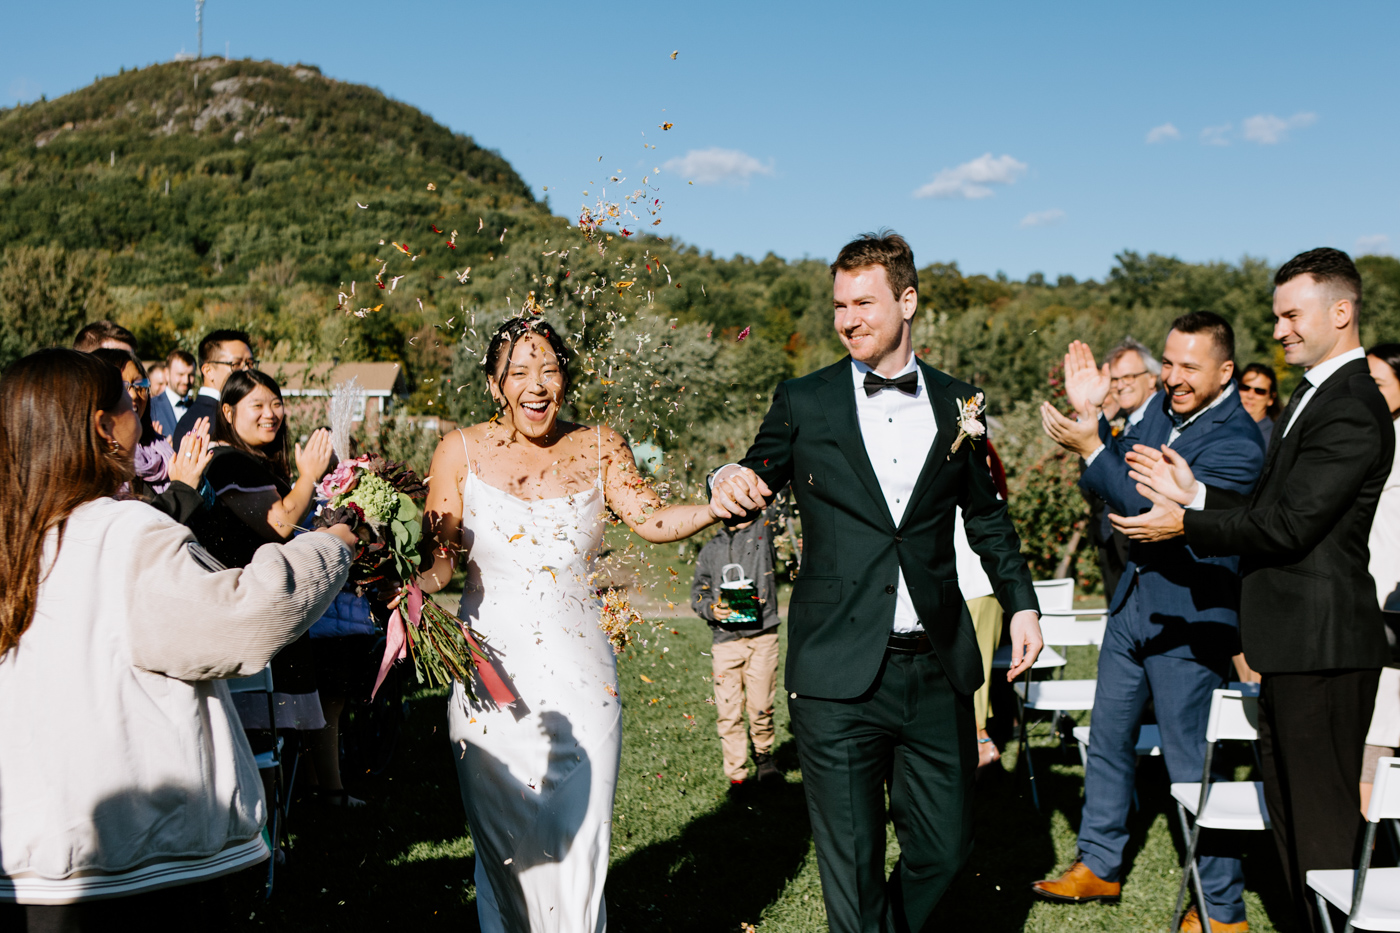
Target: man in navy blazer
169 406
1173 621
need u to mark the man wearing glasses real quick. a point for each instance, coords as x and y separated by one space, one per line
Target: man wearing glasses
220 353
1133 372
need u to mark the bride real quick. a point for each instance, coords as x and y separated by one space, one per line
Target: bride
524 496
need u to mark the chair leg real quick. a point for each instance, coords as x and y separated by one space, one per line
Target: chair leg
1023 747
1188 868
1324 913
1200 896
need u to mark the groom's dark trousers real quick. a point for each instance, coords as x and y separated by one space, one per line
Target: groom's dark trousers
863 712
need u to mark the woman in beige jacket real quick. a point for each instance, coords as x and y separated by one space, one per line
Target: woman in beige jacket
124 774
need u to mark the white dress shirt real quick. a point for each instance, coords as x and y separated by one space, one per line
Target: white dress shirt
210 393
898 431
178 403
1134 417
1320 374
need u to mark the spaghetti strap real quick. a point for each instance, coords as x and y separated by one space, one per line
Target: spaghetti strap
463 435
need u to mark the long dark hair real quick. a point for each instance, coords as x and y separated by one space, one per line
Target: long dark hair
1267 371
239 384
52 460
119 358
511 332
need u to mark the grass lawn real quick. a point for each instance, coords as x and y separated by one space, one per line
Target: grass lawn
687 857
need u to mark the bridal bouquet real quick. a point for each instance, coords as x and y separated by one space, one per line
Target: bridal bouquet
381 500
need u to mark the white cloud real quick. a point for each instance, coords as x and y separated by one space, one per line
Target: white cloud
714 165
970 180
1159 134
1267 129
1377 244
1216 135
1043 218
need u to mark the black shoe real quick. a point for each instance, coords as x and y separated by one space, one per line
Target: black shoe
767 769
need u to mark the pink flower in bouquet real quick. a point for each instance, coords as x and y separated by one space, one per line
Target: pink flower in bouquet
342 479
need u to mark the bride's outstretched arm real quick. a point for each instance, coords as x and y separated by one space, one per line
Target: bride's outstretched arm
636 502
442 515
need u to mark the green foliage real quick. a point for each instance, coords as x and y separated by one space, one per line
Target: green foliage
47 294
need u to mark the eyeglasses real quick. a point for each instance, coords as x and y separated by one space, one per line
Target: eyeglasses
248 363
1258 390
138 387
1119 380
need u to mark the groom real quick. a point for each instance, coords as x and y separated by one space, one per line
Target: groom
882 659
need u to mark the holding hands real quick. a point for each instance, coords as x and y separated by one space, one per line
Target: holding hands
737 491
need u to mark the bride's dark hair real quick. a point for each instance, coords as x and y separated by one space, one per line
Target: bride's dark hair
511 332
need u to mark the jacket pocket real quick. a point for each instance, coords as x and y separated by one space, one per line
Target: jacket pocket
816 590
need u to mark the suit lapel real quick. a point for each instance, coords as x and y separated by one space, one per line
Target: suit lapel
839 402
945 414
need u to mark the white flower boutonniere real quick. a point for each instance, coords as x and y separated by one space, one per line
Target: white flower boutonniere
969 428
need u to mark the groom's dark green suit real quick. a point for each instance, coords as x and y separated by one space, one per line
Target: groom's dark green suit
864 714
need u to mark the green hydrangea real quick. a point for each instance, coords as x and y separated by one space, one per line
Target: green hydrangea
376 498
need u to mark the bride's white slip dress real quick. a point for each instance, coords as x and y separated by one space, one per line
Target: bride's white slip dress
538 776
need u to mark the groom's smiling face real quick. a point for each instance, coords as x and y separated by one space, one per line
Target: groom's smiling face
871 320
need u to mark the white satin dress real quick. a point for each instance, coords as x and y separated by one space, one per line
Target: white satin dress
538 777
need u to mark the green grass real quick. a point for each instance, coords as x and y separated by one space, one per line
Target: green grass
687 857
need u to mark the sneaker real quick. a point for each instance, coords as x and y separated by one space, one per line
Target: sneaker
767 769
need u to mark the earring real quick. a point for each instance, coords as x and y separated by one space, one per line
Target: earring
113 447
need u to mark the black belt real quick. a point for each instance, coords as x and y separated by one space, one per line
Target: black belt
912 643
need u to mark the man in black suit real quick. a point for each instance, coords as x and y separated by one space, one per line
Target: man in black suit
880 451
220 353
1309 621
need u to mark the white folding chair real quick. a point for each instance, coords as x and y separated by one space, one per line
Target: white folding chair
1370 896
1148 744
1219 804
270 760
1052 696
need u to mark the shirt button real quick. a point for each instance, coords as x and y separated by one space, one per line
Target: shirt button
890 589
891 421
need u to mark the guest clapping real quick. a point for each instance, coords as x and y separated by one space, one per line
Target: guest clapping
123 773
257 502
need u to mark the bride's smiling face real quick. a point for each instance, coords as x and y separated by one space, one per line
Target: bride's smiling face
530 386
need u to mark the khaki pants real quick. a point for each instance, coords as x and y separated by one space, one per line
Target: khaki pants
746 674
986 621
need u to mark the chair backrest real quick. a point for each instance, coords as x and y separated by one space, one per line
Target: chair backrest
1246 688
1067 630
1055 596
261 682
1385 793
1232 716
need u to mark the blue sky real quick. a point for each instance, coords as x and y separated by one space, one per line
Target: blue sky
1012 137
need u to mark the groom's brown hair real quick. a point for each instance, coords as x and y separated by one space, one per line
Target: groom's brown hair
886 249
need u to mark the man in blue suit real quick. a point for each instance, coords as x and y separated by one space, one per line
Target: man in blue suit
1173 621
170 406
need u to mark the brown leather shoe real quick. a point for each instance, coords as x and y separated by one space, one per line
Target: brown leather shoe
1191 923
1079 885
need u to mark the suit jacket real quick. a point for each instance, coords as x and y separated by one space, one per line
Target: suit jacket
203 406
843 601
1191 600
164 413
1307 601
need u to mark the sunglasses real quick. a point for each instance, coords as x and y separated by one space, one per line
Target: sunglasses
1258 390
143 385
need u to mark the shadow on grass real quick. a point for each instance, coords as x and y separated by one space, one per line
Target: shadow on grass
721 870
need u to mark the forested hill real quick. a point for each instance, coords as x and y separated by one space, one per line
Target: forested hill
203 171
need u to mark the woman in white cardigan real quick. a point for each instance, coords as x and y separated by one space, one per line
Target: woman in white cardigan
125 779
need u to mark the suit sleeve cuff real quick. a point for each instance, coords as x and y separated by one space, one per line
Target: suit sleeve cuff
1089 460
1198 503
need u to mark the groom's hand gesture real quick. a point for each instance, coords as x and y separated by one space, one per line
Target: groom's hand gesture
1026 642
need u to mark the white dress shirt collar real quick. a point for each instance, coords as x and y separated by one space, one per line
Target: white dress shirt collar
1324 370
1141 410
207 392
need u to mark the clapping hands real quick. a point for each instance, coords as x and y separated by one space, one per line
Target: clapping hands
1086 385
1166 480
193 457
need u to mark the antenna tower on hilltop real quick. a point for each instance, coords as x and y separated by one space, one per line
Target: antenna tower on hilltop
199 24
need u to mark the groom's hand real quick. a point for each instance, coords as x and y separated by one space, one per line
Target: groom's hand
1025 642
736 492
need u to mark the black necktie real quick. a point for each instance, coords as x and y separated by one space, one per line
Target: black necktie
907 383
1298 395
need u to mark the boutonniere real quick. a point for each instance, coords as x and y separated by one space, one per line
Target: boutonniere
969 410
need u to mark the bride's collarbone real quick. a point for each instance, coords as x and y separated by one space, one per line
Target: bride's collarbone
527 471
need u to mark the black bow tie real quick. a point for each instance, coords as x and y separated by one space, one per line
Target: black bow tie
907 383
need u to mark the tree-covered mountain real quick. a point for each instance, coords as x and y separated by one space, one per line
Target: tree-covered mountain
192 195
